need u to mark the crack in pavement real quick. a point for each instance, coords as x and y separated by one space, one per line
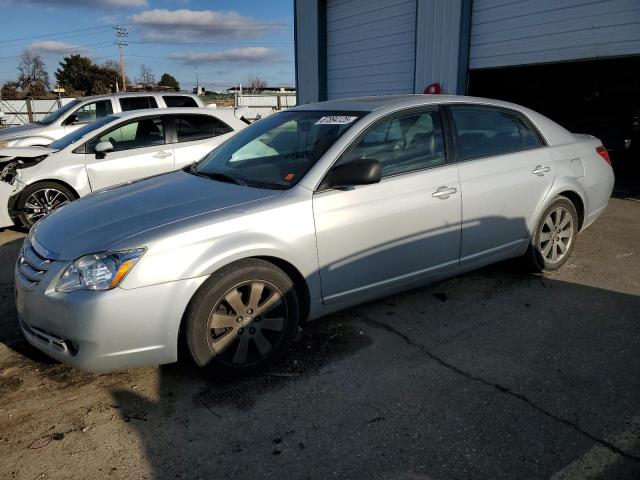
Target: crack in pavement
496 386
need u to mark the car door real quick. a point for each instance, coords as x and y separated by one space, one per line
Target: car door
406 228
139 150
196 135
505 173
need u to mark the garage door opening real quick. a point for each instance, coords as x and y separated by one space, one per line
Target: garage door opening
599 97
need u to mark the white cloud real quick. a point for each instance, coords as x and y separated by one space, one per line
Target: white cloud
184 24
235 55
55 47
104 4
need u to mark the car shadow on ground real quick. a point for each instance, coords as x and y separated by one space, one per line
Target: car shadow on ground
400 387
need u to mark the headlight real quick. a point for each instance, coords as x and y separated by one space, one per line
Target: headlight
98 271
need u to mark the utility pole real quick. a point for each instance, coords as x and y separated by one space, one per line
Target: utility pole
121 35
197 82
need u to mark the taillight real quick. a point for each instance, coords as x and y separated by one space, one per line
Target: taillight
600 150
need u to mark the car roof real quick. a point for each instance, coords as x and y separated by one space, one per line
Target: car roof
136 94
379 106
218 112
372 103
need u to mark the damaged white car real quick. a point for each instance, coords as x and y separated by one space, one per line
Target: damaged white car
116 149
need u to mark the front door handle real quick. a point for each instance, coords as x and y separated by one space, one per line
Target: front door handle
444 192
162 154
540 170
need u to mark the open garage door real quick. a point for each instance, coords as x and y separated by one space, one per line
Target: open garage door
539 31
598 97
370 47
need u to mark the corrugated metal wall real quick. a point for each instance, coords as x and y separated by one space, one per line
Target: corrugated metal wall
507 32
370 47
438 44
306 37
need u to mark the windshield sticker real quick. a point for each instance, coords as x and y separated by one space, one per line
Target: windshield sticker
289 176
335 120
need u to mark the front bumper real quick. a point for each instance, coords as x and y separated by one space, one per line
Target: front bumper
6 192
102 331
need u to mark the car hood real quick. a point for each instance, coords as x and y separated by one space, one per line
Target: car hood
21 131
25 152
95 222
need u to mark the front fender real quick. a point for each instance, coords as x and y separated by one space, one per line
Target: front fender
286 233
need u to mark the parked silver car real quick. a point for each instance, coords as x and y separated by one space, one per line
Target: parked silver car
81 111
118 148
301 214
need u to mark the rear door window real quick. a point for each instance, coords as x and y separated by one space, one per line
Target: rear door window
137 103
199 127
179 101
484 132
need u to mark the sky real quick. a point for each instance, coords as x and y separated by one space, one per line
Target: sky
226 40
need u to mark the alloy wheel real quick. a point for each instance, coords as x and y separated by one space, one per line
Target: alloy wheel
42 202
247 322
556 235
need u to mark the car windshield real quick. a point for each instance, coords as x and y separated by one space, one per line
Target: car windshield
53 116
277 151
76 135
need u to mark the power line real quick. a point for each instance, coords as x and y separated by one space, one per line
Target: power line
217 44
32 37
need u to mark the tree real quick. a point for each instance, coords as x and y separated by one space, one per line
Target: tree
76 73
81 74
254 84
167 80
146 77
32 76
9 91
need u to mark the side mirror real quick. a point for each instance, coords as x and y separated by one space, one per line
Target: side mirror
357 172
102 148
71 119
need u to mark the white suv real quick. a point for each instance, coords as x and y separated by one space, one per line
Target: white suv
85 110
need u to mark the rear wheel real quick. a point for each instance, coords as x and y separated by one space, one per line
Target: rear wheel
40 199
554 237
242 318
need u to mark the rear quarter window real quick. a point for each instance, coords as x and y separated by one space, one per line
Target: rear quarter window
179 101
137 103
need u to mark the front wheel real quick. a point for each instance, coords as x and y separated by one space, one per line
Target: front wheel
554 237
40 199
242 318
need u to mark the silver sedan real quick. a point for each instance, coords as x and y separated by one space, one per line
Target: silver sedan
303 213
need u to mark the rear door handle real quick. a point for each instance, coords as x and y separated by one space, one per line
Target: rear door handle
162 154
444 192
540 170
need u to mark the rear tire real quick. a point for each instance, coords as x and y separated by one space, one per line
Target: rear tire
242 319
38 200
554 236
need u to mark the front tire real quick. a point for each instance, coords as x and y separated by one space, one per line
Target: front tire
554 237
40 199
242 318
